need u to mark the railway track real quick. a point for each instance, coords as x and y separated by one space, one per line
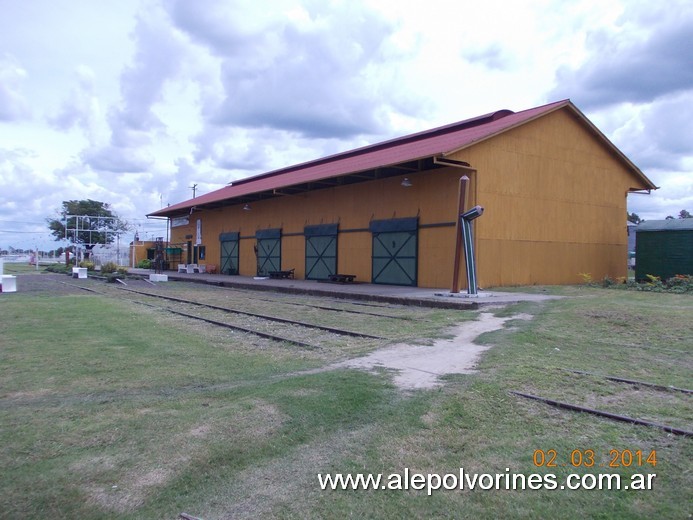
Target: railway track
602 413
253 314
261 325
255 298
653 387
277 319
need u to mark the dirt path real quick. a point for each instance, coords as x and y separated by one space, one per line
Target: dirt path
420 366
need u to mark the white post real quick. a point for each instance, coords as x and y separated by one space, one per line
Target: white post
36 257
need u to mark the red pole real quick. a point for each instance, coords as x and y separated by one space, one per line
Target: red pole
461 204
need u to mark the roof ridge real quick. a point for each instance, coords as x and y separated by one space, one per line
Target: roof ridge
440 141
408 138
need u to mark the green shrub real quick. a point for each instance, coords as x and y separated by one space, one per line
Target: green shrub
681 283
112 277
88 264
109 267
608 282
59 268
144 264
586 278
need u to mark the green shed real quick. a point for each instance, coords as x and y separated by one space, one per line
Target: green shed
664 248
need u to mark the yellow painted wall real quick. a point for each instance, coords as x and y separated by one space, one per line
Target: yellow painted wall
140 250
433 197
555 205
554 199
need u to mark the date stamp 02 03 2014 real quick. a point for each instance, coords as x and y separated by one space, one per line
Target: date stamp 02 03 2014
587 458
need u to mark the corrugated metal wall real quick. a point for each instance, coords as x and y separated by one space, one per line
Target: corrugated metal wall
663 253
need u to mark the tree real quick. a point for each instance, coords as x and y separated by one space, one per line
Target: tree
684 214
88 222
634 218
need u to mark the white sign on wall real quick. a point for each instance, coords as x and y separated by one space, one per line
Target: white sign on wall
180 221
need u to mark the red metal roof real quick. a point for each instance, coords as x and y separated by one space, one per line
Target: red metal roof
430 143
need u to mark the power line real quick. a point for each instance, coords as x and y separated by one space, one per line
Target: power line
24 232
23 222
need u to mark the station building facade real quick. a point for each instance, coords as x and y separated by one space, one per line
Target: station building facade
553 187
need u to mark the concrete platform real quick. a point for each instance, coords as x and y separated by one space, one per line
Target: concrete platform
437 298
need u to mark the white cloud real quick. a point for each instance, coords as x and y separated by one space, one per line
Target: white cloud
117 160
637 65
134 102
156 61
81 108
13 103
305 70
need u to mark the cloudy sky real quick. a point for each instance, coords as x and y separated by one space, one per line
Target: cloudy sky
132 102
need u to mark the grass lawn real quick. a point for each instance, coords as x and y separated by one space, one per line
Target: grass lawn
113 410
19 268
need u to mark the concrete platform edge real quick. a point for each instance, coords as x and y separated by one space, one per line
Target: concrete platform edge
328 291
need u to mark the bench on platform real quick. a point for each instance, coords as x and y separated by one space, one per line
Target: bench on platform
342 278
190 268
278 275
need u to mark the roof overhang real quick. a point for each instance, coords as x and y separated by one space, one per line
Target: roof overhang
381 172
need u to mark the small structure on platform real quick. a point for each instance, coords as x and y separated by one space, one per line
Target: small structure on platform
8 282
341 278
79 272
279 275
159 262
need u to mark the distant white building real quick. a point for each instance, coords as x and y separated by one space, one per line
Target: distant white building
110 253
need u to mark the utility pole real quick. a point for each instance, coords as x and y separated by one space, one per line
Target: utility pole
193 188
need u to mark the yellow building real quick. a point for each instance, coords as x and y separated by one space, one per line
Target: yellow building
172 254
553 187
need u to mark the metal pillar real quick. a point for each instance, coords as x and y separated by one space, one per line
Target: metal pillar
159 256
461 204
468 239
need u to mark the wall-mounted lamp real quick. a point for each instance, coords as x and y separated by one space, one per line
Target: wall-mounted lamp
406 182
247 207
